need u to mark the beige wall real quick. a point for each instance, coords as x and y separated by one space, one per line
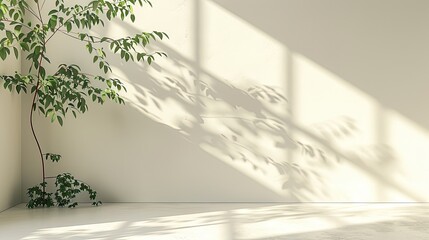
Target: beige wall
10 142
247 82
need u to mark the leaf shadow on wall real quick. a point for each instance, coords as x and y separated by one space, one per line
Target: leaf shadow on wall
388 66
184 104
183 114
385 55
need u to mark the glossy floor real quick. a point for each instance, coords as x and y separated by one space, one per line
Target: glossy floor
159 221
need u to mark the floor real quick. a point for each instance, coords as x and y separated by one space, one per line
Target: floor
159 221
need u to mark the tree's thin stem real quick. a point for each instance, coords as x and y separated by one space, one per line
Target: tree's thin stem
32 110
33 131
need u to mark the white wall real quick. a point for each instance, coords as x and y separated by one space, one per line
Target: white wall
221 118
10 142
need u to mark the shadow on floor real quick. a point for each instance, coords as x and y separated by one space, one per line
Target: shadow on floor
219 221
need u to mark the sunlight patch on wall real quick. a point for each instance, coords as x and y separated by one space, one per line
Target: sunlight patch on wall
225 86
361 139
165 90
230 103
411 145
331 106
252 152
235 51
243 86
342 117
163 98
175 13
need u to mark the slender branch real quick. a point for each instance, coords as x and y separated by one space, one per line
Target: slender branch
70 35
56 30
84 40
33 104
109 40
11 21
43 4
77 33
30 10
40 13
32 127
68 19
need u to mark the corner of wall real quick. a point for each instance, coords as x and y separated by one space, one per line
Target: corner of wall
10 141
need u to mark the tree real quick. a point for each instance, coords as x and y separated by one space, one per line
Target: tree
27 29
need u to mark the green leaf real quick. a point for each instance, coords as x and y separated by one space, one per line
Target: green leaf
52 116
89 47
3 53
53 11
9 36
18 28
24 46
159 34
52 22
15 51
60 120
42 72
68 26
42 110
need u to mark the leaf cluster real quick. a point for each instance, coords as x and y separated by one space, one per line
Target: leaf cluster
67 188
68 89
53 157
39 197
